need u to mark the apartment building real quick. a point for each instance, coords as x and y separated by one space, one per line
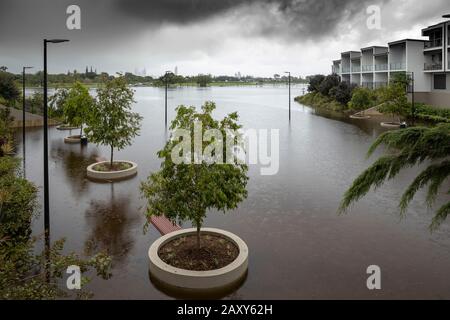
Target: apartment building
428 60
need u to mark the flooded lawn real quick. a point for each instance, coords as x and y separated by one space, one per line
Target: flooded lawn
299 247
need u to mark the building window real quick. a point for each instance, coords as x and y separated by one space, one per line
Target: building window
440 82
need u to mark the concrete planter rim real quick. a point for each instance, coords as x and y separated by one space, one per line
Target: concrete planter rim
111 175
62 127
210 279
73 139
391 124
359 117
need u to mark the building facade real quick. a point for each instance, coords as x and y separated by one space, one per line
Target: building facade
428 60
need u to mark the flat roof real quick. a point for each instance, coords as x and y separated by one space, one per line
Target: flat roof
405 40
349 52
339 60
373 47
434 26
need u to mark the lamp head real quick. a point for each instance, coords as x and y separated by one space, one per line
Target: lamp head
56 40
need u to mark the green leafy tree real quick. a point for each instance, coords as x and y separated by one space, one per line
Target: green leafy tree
8 88
315 82
77 106
408 147
362 99
5 129
35 103
394 100
110 120
203 80
330 82
186 190
342 93
56 103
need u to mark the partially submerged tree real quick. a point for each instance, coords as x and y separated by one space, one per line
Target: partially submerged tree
206 178
394 100
77 105
408 148
111 121
203 79
362 99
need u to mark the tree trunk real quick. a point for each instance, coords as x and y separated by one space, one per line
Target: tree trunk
198 236
81 131
112 154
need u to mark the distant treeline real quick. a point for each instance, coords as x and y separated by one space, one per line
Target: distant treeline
92 77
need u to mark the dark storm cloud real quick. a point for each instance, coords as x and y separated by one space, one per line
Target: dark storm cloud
309 17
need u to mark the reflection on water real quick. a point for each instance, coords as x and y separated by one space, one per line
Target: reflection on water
74 163
110 221
298 246
229 292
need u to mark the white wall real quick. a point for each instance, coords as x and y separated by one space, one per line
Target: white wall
415 60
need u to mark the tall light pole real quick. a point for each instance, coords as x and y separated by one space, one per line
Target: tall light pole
166 80
289 82
46 187
23 115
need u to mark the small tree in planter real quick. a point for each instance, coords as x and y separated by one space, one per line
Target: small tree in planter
186 190
110 120
77 105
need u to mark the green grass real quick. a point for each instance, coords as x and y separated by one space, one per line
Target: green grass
432 114
316 100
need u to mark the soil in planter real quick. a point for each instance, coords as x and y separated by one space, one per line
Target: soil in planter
215 253
117 166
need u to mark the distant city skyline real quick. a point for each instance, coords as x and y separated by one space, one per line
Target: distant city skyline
255 37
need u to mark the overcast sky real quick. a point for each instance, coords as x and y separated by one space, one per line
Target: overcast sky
253 37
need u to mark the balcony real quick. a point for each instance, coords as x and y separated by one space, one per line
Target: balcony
381 67
356 69
368 68
398 66
432 66
436 43
346 70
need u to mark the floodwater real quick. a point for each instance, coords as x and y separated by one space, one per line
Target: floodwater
299 247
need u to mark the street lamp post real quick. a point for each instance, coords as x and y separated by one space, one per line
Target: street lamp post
289 82
46 185
166 80
23 115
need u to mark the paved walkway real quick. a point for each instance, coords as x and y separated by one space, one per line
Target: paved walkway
31 120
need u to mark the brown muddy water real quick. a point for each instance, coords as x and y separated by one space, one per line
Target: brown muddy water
299 247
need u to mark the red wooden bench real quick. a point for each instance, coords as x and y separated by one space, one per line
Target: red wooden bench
164 225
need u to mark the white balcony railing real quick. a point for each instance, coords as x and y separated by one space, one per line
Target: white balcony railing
381 67
367 68
398 66
432 66
435 43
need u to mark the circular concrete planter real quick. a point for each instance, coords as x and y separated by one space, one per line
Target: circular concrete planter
359 117
73 139
111 175
63 127
390 124
218 279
